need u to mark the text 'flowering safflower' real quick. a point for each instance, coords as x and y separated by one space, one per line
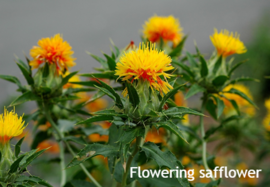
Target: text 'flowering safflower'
146 64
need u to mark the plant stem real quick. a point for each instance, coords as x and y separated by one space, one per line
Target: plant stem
204 143
61 137
139 141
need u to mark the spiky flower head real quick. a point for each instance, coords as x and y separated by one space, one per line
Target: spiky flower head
167 28
11 125
243 104
146 64
227 43
53 50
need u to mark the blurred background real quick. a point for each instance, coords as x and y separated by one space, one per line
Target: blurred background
89 26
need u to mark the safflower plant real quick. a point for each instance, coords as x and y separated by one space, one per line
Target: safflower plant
147 123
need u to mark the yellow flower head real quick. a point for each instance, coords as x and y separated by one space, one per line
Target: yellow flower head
10 125
266 120
167 28
146 64
243 105
227 44
53 51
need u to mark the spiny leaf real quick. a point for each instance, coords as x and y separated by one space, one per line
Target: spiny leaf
195 88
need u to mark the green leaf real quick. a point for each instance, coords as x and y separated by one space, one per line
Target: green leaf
220 80
204 67
39 137
93 150
217 64
18 147
110 112
166 159
26 74
103 75
15 165
191 60
181 110
81 183
32 179
241 94
27 96
178 49
30 158
168 95
211 108
133 95
111 63
78 140
189 130
220 106
243 79
118 101
86 83
235 67
184 67
11 79
171 127
96 119
95 129
66 78
100 60
195 88
0 156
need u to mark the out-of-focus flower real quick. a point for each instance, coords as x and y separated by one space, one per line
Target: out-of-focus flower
11 125
266 120
74 78
243 105
226 43
167 28
246 179
186 160
53 51
44 127
53 146
100 138
95 105
27 136
146 64
156 136
179 100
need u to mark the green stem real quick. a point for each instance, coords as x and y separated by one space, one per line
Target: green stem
204 143
61 137
139 142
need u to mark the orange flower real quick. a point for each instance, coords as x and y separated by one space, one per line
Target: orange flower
95 105
74 78
246 179
180 101
156 136
167 28
53 51
44 127
98 137
53 146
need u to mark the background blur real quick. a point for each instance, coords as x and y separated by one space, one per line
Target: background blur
88 26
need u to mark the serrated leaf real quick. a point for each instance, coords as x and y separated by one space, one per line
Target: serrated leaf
26 74
30 159
66 78
217 64
178 49
211 108
181 110
111 63
191 60
96 119
241 94
171 127
92 150
27 96
18 147
235 67
86 83
166 159
133 95
220 106
100 60
220 80
184 67
204 67
168 95
15 165
11 79
194 89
